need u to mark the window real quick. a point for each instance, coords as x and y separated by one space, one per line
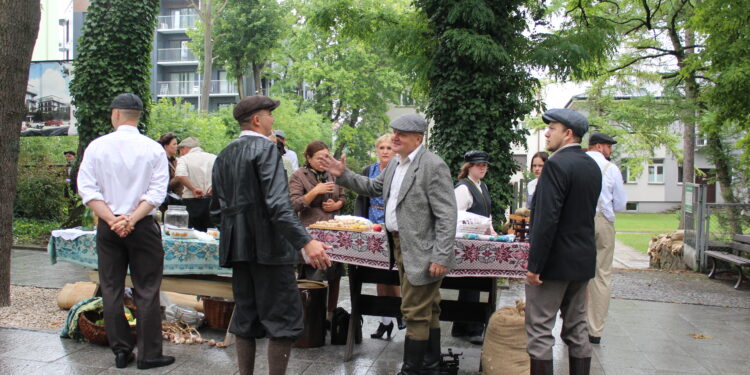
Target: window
631 206
628 177
700 141
656 171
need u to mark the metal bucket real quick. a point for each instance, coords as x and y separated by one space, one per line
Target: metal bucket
314 295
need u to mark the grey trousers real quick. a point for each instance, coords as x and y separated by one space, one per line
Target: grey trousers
143 252
542 303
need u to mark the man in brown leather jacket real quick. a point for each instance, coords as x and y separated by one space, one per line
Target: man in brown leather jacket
260 238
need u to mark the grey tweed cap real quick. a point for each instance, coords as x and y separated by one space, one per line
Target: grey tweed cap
568 117
412 123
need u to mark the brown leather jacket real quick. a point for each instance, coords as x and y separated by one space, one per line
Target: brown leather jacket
303 180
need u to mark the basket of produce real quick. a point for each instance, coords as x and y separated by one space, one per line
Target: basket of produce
218 312
91 324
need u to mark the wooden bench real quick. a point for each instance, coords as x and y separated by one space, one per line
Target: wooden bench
740 244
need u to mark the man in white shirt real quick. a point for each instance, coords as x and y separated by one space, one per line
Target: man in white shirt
194 173
612 199
123 178
289 154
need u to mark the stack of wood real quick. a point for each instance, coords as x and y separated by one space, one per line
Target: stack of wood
665 251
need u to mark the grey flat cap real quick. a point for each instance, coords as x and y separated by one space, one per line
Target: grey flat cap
412 123
597 138
568 117
127 101
252 104
476 156
280 134
189 142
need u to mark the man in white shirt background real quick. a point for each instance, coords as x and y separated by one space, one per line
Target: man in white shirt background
194 173
612 199
289 154
123 177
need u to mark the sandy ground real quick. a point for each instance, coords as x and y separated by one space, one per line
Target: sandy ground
33 307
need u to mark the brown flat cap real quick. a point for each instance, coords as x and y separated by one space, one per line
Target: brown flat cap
252 104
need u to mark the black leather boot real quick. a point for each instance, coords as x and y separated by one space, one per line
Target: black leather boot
579 366
541 367
431 364
413 356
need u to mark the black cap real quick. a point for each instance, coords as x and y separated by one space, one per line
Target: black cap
597 138
69 153
252 104
476 156
127 101
568 117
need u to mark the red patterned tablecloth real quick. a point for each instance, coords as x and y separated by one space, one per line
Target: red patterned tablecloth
474 258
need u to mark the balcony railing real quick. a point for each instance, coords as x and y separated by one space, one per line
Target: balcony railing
181 22
193 88
175 55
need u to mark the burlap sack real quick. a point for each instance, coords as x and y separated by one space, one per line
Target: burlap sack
504 350
70 294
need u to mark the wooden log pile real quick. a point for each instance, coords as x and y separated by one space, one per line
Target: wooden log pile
665 251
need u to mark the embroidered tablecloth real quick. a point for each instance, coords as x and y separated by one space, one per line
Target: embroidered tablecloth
474 258
181 256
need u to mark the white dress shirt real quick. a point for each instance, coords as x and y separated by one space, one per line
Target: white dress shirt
122 169
291 156
391 222
196 166
612 198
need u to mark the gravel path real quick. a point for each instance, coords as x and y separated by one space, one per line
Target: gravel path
33 307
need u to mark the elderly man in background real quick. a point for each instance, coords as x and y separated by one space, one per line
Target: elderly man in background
420 216
562 253
194 173
123 178
611 199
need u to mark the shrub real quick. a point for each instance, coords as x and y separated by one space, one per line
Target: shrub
40 194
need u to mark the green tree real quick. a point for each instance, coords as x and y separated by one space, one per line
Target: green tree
19 25
111 61
208 12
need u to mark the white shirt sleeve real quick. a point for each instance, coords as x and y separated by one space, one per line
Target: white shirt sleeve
181 169
463 198
619 197
157 187
88 188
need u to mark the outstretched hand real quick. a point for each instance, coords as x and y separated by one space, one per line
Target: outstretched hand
333 166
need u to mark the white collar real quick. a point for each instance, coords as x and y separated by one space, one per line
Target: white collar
252 133
127 128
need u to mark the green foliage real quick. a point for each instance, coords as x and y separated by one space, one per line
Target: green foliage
113 57
36 151
478 90
216 129
33 231
40 193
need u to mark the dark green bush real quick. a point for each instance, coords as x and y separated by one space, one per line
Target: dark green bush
40 195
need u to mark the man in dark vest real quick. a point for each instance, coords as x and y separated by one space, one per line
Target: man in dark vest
472 196
562 256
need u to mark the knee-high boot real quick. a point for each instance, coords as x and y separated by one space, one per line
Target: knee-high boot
245 355
278 356
431 364
579 366
414 351
541 367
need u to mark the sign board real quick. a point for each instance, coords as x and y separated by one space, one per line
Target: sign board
689 198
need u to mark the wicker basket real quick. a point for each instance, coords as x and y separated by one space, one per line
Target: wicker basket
93 332
218 313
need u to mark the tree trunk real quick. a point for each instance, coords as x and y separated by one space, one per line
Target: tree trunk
721 157
208 45
691 94
19 25
257 70
241 86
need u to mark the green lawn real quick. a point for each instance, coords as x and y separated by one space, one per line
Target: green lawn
651 223
646 226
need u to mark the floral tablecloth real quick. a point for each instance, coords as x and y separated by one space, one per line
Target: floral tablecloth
474 258
181 256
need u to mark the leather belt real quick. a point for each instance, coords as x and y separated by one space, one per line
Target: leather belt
377 207
394 234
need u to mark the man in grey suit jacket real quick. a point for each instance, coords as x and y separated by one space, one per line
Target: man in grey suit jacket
420 216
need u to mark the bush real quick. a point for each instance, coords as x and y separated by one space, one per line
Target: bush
40 194
32 232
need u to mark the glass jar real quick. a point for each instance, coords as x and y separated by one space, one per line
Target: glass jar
176 217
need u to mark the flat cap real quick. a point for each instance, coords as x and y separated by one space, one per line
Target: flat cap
252 104
127 101
412 123
597 138
476 156
189 142
568 117
280 134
